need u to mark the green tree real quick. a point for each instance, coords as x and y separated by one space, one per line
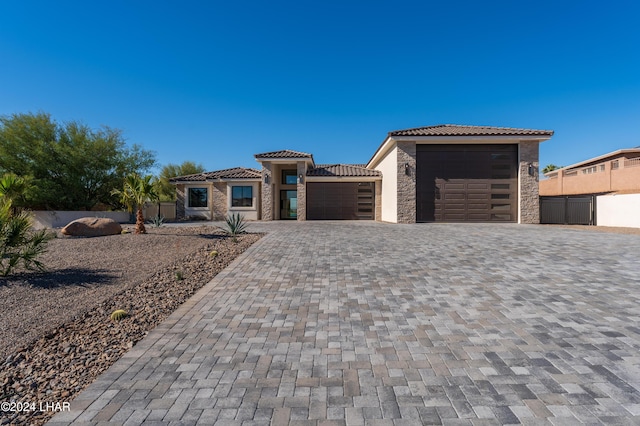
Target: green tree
13 189
136 191
167 190
18 242
550 167
71 166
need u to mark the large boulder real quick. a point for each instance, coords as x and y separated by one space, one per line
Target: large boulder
92 227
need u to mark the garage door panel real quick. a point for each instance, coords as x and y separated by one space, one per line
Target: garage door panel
454 217
468 180
478 217
477 196
340 200
478 186
454 196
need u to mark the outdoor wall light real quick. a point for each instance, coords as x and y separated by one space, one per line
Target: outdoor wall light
300 177
266 179
532 170
407 169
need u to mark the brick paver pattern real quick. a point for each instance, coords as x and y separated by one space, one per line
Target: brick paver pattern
379 324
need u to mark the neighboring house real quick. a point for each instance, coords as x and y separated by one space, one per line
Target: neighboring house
447 173
615 172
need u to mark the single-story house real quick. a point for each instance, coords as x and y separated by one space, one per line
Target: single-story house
615 172
447 173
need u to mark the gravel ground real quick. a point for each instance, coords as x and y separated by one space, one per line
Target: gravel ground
56 336
609 229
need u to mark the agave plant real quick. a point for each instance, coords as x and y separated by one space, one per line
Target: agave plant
157 221
235 225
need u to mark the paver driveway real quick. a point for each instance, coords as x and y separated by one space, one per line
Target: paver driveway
369 323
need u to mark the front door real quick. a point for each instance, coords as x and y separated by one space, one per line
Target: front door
288 204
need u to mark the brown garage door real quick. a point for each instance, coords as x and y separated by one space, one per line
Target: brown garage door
340 200
466 183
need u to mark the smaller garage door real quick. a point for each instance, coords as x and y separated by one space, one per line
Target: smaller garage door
340 200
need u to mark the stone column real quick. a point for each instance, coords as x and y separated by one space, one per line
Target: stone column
302 190
219 198
378 200
267 193
529 189
406 181
180 197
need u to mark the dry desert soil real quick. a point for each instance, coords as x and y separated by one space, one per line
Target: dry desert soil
56 334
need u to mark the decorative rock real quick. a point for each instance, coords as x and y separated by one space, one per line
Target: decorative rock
92 227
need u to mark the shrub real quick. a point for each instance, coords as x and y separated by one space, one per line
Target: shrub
157 221
235 225
18 242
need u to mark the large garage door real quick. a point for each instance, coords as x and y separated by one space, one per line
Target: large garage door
340 200
467 183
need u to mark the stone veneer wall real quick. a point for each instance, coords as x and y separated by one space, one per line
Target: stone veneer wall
219 199
267 193
378 200
529 189
180 198
302 191
406 183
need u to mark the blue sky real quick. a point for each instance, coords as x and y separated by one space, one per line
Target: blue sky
216 82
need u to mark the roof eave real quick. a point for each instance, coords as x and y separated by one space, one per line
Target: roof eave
382 149
468 138
595 159
343 178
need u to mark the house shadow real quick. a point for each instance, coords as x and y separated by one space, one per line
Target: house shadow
80 277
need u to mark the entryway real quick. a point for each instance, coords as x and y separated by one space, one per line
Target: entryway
288 204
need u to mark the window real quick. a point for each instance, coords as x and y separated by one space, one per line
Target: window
242 196
289 177
197 197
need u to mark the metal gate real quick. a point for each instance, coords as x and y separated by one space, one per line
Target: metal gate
568 210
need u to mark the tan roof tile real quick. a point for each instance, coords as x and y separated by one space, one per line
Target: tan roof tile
342 170
285 153
457 130
234 173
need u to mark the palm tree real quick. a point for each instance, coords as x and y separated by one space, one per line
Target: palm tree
18 242
13 189
550 167
136 191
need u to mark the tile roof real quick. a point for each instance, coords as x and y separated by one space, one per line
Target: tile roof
234 173
199 177
457 130
342 170
285 153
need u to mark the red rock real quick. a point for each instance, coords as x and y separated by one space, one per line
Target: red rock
92 227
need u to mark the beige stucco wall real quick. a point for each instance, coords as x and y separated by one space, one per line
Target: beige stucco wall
388 165
529 199
618 210
249 213
624 178
56 219
200 212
